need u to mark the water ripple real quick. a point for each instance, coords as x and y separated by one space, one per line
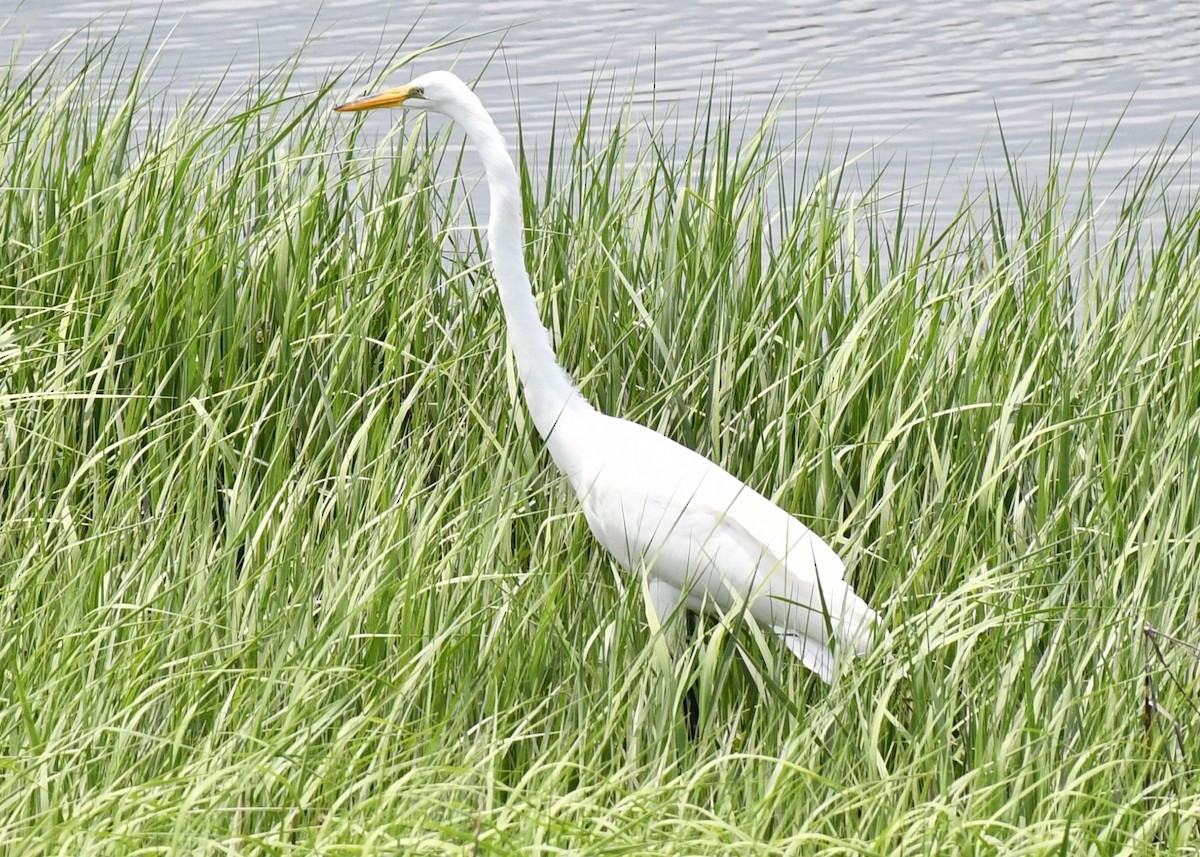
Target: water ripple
917 82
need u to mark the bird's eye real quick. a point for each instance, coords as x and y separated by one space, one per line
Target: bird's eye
417 92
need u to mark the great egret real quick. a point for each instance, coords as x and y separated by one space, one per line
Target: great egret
700 535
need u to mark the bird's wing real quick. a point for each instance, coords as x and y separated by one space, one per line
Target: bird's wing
647 473
790 579
688 522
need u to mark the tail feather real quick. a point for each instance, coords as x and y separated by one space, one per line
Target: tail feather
815 655
856 633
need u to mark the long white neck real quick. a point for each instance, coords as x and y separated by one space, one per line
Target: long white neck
551 397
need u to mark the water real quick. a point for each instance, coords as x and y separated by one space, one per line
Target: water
925 85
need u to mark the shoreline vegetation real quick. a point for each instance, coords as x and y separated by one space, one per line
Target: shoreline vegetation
285 569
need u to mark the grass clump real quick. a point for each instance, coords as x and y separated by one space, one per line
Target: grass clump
285 569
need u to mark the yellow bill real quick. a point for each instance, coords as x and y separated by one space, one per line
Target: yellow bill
387 98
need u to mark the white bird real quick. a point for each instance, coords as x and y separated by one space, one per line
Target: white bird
699 534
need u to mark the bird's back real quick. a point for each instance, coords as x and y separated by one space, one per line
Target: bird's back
721 546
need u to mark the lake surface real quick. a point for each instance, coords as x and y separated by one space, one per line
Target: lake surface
924 85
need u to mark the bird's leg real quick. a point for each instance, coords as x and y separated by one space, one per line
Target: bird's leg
691 701
663 602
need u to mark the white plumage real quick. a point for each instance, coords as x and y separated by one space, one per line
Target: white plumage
701 535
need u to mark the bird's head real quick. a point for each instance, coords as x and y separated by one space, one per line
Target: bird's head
439 91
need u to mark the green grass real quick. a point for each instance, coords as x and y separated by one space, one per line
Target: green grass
285 569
